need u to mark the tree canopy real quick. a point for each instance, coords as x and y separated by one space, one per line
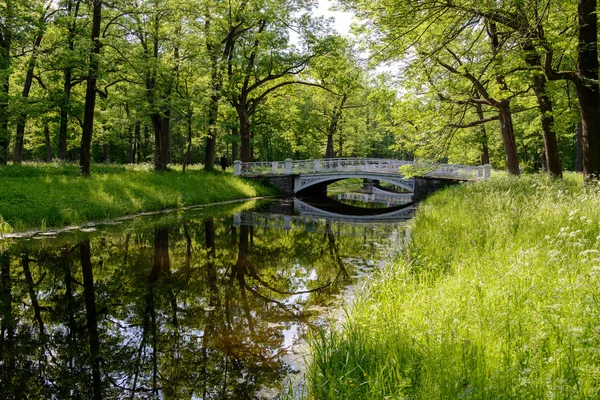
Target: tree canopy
511 83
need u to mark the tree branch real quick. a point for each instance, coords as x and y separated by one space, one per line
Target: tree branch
474 123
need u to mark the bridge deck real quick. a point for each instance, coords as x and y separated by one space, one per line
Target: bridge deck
357 165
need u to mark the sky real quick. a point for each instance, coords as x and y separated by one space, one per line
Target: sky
342 19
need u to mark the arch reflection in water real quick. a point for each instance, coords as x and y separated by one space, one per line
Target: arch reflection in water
181 306
326 207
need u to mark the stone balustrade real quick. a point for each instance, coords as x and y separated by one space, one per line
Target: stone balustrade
377 165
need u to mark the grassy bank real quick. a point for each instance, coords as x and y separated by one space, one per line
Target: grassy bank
40 195
496 297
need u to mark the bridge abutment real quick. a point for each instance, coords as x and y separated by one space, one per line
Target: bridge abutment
424 186
283 183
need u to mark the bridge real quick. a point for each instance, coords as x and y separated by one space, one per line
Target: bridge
378 196
310 218
293 177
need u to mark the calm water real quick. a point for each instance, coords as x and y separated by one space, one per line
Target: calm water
204 304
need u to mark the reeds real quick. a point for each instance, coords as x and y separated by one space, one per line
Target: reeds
496 297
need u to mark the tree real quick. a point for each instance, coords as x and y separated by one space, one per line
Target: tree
7 25
585 79
31 65
416 23
341 76
262 61
70 19
90 93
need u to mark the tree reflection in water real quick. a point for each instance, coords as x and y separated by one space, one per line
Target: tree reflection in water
177 308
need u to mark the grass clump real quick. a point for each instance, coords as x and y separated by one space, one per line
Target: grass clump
34 196
497 296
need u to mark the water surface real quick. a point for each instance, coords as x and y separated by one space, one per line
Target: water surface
204 304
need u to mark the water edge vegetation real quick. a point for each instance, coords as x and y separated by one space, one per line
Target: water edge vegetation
51 195
496 296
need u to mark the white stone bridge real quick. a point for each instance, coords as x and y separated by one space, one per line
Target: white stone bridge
298 176
311 218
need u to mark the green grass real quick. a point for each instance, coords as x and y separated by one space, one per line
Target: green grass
496 297
46 195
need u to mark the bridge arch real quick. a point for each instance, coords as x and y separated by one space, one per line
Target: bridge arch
305 181
337 212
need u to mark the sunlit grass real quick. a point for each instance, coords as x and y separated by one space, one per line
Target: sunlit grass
36 195
497 296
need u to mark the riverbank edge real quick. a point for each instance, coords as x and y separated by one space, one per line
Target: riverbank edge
92 224
438 325
53 198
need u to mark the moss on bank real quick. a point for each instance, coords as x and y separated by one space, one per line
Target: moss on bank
40 195
497 296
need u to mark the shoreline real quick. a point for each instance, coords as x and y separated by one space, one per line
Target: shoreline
51 231
50 197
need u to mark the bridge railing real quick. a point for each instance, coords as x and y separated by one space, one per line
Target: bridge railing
311 224
289 167
391 198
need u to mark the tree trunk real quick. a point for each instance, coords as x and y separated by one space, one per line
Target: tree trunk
189 139
68 84
533 59
165 129
544 160
589 99
213 114
588 90
5 64
578 147
336 116
162 261
161 140
329 152
239 271
485 153
244 118
138 143
157 142
505 116
131 148
90 93
167 137
70 307
64 115
235 132
211 271
187 158
550 144
19 140
48 143
216 83
8 323
508 139
91 316
37 313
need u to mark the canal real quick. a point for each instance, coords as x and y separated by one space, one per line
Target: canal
207 303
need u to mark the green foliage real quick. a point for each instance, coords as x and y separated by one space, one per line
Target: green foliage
52 195
495 297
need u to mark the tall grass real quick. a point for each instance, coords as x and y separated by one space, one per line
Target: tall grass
496 297
39 195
